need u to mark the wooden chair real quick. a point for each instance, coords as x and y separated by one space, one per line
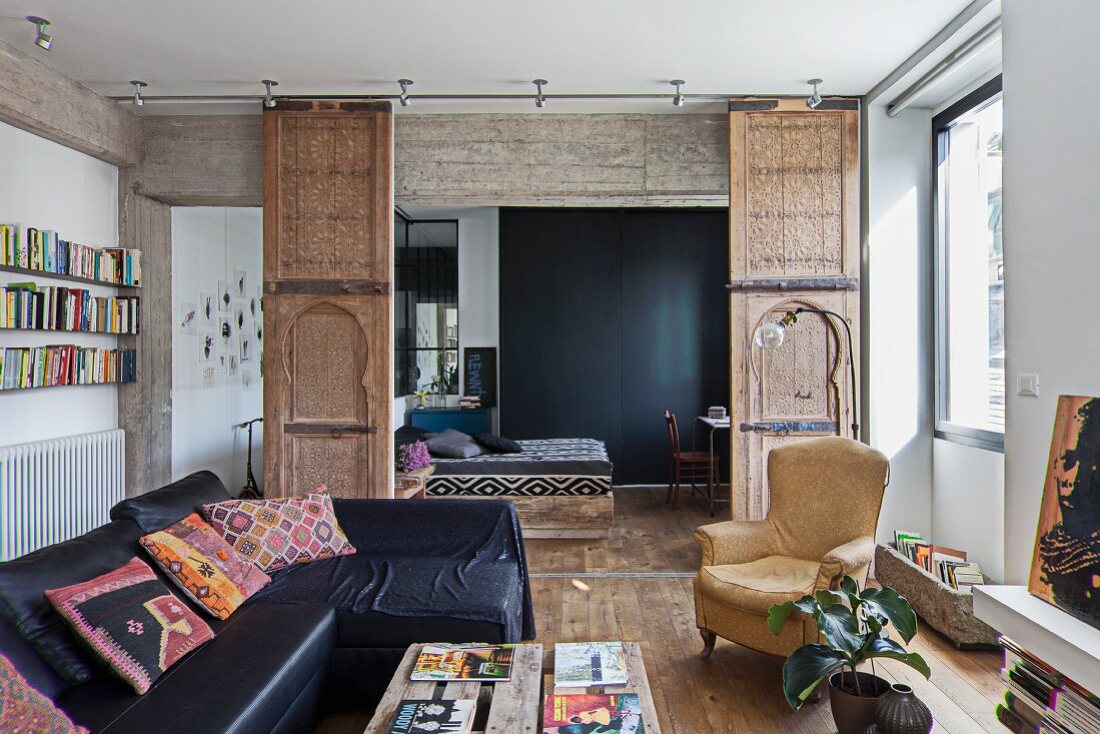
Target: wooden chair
687 465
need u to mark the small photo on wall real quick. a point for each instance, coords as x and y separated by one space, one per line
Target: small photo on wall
225 328
240 283
225 298
220 360
206 374
208 306
206 350
246 347
189 318
238 317
259 330
234 365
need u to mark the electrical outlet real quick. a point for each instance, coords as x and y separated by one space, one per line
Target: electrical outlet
1027 384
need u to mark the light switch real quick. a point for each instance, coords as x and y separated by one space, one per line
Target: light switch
1027 384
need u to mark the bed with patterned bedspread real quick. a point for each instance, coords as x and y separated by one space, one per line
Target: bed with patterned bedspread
561 487
570 467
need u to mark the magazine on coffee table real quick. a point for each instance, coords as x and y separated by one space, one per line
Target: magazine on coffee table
464 662
584 664
577 713
455 716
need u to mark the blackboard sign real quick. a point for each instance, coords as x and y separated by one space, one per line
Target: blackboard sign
481 374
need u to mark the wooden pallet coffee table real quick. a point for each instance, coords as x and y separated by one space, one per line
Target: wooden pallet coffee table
514 706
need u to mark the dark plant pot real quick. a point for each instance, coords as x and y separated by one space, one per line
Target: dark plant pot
899 711
852 713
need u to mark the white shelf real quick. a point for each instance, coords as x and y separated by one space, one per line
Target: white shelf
1059 639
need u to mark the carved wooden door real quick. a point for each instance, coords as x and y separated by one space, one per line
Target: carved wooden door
328 263
794 241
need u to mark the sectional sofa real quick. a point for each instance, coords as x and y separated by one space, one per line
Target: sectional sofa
321 635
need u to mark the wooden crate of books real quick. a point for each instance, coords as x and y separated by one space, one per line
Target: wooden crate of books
493 689
946 610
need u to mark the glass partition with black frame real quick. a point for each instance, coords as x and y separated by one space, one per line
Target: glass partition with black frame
969 270
425 306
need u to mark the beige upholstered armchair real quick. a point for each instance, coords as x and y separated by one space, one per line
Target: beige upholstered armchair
825 500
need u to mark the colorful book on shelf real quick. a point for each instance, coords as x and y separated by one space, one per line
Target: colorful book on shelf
30 367
583 664
584 712
464 662
27 306
31 248
453 716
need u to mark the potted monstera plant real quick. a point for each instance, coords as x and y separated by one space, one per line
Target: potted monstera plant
854 630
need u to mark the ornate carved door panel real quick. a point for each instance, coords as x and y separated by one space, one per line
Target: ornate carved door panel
328 263
794 241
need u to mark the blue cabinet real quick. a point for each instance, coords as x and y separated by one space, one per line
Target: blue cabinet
468 420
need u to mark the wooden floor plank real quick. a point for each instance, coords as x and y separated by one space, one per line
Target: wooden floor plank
735 689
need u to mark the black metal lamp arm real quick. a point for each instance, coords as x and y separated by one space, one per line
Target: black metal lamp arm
851 361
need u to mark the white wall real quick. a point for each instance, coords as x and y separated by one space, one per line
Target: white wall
898 312
968 503
49 186
208 245
478 284
1052 255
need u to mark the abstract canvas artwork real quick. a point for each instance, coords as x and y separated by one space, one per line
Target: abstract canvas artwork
1065 567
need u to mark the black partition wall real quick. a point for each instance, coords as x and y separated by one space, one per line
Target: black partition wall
606 319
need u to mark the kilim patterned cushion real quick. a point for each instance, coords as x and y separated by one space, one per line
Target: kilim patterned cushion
131 618
276 533
204 565
23 709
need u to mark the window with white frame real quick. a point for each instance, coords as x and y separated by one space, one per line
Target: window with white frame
970 340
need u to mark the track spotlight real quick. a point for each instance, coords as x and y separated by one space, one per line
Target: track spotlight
41 39
269 101
678 100
540 99
814 99
405 84
138 84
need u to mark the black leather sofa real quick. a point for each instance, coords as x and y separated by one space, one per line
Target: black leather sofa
323 635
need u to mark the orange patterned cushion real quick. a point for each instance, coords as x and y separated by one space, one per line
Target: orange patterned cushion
274 534
23 709
204 565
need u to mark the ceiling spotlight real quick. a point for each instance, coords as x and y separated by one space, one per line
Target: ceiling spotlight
138 84
405 84
678 100
540 99
41 39
814 99
269 101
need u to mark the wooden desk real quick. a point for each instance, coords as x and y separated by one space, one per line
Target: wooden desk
715 424
412 485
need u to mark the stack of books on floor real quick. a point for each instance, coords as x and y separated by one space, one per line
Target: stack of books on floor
28 367
947 564
27 306
586 665
42 249
1040 700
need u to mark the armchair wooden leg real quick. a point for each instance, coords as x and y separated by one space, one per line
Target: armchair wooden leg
709 638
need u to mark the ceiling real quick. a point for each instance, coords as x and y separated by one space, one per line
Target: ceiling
224 47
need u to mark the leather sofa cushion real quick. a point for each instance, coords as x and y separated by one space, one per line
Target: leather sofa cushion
23 581
755 586
245 680
171 503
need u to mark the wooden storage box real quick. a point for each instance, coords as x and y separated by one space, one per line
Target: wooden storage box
947 610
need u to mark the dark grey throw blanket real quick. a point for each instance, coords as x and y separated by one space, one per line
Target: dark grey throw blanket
418 558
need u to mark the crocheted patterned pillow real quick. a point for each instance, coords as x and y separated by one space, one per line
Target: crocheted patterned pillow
132 619
23 709
274 534
204 566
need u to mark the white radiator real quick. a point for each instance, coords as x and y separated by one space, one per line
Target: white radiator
54 490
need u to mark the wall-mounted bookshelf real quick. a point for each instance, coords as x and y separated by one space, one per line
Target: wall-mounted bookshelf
34 306
42 253
62 276
28 368
29 307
